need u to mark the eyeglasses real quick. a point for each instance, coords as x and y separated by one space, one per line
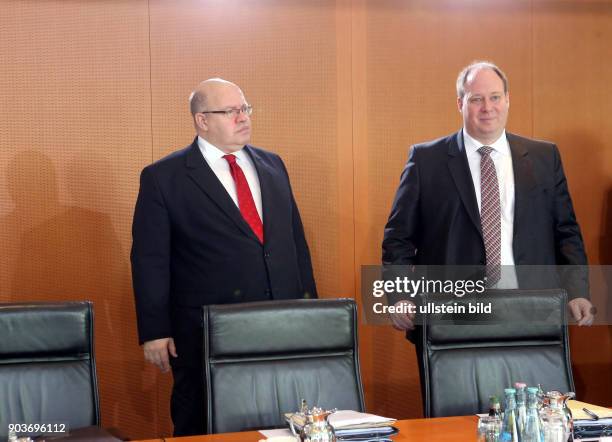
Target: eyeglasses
232 113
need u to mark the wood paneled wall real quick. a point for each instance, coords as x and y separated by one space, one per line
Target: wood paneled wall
93 90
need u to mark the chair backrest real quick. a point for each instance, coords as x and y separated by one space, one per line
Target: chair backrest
47 365
524 339
262 358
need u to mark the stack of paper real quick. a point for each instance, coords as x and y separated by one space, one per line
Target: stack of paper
596 424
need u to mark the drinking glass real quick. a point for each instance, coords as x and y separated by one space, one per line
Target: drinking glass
489 428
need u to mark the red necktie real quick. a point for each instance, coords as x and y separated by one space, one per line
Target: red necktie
245 198
490 215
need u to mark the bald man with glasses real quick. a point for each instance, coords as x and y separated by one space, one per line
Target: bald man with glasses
215 223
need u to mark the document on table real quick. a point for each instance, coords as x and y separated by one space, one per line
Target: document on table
278 435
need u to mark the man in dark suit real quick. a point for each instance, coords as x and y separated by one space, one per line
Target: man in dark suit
215 223
517 184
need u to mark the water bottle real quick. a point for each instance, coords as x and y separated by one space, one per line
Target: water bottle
521 406
509 431
533 429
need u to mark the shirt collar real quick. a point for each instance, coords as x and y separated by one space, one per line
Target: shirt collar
212 153
472 145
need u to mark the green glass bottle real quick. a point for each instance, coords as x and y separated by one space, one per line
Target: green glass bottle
495 407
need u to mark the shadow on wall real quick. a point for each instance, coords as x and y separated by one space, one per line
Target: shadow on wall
62 252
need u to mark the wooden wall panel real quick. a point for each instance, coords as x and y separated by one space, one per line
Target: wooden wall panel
74 132
572 98
573 102
93 90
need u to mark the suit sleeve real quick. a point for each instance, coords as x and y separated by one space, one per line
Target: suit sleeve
150 259
301 246
399 247
569 246
303 254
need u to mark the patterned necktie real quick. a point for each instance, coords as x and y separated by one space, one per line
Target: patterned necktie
245 198
490 215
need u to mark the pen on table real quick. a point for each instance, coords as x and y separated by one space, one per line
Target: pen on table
590 413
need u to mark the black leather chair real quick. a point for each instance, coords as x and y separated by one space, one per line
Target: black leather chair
525 339
262 358
47 365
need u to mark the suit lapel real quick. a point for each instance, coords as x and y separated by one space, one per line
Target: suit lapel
207 181
524 178
524 182
460 171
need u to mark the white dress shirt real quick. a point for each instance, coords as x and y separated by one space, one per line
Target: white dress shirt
502 159
220 166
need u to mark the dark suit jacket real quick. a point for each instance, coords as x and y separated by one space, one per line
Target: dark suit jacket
192 247
435 219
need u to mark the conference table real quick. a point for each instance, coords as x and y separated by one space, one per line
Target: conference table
441 429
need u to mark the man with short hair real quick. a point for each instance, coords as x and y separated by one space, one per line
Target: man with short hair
522 216
214 223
